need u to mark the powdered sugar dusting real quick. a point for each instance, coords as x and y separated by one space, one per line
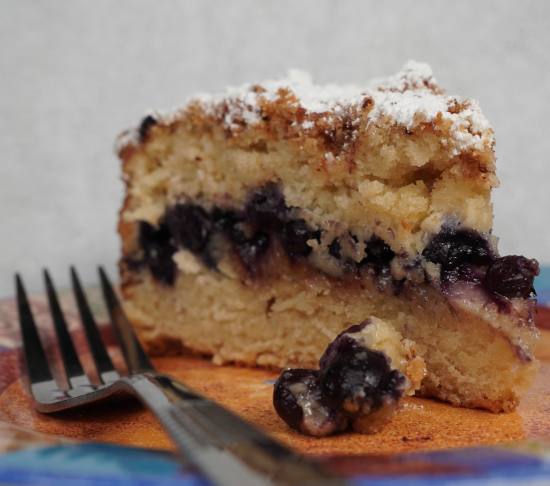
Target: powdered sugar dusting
409 107
244 101
408 98
414 75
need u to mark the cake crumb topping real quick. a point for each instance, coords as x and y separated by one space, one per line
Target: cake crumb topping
408 98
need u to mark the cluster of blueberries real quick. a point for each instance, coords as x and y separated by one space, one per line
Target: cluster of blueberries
464 254
352 382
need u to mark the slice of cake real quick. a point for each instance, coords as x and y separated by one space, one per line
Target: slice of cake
260 223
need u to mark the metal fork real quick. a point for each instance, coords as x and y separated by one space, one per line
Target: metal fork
226 449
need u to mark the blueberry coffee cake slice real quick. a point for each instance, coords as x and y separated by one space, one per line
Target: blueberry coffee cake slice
262 222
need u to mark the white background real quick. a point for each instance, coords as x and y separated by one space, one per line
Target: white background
74 74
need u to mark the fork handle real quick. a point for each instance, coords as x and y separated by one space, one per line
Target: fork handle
225 448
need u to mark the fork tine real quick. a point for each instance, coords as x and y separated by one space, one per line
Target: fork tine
37 364
73 367
102 361
135 356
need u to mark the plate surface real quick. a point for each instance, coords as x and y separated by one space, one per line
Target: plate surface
434 431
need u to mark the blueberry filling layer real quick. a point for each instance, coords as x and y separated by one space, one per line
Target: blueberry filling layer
250 231
464 256
353 385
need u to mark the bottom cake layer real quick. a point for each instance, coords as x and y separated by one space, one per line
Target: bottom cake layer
289 316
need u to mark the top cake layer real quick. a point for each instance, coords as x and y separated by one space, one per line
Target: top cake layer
397 161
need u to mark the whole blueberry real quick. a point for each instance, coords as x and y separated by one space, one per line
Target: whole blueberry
298 401
452 247
266 207
189 225
512 276
145 125
335 248
343 342
378 252
158 251
294 236
360 381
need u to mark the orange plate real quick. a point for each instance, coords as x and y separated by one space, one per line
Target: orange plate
423 424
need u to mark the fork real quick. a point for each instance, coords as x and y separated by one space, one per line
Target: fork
223 447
